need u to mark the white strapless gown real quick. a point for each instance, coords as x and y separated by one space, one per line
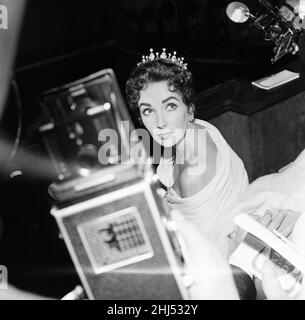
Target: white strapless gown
212 207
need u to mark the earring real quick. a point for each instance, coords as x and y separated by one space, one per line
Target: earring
191 112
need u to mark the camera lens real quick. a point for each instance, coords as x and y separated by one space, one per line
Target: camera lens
87 156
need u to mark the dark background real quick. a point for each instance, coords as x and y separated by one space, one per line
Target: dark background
67 39
62 41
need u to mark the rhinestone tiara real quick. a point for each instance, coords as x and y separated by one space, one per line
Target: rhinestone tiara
167 56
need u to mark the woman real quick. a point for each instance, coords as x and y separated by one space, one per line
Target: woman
202 175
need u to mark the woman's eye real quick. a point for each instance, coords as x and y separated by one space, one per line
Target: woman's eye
171 106
147 112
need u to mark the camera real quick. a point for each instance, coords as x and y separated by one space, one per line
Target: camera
109 208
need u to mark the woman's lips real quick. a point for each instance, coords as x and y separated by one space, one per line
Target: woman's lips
164 135
163 132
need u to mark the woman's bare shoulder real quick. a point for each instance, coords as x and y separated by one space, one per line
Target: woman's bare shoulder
205 143
200 170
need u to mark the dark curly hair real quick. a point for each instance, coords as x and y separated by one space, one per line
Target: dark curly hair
179 80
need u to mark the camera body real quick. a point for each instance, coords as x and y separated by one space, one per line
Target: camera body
122 244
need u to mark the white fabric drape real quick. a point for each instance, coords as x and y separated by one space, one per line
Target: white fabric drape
211 208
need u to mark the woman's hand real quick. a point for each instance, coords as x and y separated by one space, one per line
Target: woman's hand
283 221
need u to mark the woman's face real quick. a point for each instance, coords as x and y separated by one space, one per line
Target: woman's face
163 113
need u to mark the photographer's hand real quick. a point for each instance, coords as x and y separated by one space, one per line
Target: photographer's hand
271 284
272 287
211 272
